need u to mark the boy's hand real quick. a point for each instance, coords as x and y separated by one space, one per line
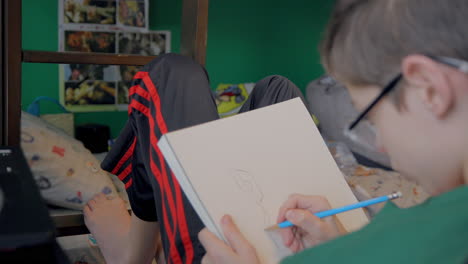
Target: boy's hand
217 251
308 230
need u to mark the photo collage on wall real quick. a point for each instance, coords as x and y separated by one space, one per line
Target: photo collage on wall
104 26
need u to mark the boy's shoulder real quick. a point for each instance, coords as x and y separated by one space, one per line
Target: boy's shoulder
433 232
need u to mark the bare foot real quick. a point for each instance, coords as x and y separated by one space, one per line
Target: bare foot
108 220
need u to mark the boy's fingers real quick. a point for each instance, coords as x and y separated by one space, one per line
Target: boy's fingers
296 239
235 237
290 203
312 203
205 259
307 202
287 236
295 246
211 243
298 201
299 210
304 220
216 250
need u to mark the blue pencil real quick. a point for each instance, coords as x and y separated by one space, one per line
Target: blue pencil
344 209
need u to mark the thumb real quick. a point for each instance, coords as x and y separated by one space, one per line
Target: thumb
211 242
216 250
233 235
304 220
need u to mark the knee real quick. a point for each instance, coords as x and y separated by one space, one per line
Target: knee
173 60
277 83
177 64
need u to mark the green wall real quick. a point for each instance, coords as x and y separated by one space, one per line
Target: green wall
250 39
247 40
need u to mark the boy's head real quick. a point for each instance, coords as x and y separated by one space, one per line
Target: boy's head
422 124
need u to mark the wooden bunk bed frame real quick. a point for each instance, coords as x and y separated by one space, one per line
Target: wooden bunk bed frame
193 43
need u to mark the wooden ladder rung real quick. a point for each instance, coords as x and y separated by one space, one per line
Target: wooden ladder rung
34 56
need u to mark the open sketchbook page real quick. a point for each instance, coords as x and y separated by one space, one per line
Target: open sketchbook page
248 165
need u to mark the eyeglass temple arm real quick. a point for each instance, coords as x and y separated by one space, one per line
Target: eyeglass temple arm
455 63
384 92
452 62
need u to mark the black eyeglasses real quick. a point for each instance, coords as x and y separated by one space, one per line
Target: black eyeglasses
455 63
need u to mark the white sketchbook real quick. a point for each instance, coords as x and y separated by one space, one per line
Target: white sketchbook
247 166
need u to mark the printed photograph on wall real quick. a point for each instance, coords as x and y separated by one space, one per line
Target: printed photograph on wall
146 44
127 72
88 41
123 86
104 26
80 72
133 13
84 93
89 12
123 89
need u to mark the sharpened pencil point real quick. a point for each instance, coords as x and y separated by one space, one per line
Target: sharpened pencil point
271 228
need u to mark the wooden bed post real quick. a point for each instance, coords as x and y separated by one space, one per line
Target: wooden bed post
194 29
11 72
2 78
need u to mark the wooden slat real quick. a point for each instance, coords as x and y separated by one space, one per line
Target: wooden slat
71 231
3 124
194 29
69 222
84 58
12 70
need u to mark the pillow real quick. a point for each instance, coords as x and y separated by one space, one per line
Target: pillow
66 173
330 102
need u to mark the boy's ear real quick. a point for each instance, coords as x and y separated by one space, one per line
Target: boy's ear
431 81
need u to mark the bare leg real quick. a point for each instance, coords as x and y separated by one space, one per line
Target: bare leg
109 222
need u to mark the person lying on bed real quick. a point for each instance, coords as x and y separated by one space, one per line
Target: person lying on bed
410 58
170 93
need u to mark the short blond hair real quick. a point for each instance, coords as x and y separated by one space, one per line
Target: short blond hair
366 40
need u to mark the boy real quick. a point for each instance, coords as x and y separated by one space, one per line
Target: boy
405 64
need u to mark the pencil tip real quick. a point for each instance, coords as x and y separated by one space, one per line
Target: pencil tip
271 228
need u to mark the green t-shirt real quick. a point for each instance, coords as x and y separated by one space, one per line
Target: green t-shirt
433 232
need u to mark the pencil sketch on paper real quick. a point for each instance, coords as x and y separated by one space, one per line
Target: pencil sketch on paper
246 183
